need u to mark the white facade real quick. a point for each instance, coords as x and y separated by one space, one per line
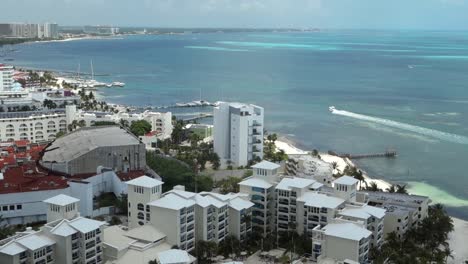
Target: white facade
28 30
289 191
238 132
341 240
141 191
161 123
6 78
28 207
68 240
260 190
37 126
372 217
307 166
175 217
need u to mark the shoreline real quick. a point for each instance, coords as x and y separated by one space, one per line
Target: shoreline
456 238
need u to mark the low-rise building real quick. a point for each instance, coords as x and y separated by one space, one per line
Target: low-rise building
83 150
341 240
403 211
68 238
309 167
372 217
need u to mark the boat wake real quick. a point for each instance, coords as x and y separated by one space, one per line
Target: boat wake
454 138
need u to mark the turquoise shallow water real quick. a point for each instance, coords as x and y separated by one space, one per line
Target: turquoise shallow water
402 90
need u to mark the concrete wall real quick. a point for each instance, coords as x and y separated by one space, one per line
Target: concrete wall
33 209
341 249
120 158
168 222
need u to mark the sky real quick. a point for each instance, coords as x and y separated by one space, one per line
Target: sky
362 14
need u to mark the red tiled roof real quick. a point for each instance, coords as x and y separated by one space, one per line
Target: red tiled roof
22 143
127 176
23 179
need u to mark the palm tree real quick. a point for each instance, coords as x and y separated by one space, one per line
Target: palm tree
360 177
401 189
373 187
81 123
391 189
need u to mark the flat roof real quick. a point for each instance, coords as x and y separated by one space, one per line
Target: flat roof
346 230
174 256
147 233
320 200
61 200
346 180
288 183
115 237
267 165
145 181
256 182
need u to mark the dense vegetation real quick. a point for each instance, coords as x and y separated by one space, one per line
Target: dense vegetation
174 172
140 127
425 243
270 152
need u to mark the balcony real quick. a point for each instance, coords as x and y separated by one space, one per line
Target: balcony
283 202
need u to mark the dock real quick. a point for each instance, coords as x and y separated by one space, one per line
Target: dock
386 154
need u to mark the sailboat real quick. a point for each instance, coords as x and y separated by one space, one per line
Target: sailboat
93 83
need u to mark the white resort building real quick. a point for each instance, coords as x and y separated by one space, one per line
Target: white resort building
238 133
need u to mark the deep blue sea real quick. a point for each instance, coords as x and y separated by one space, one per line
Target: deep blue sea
402 90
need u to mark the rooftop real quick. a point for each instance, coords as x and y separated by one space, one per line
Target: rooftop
319 200
346 230
172 201
61 200
267 165
174 256
346 180
363 212
288 183
84 140
85 225
146 233
255 182
145 181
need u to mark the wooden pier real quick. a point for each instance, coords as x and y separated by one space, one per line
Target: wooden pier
386 154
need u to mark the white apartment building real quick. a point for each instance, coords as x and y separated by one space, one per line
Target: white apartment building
68 239
140 246
341 240
309 167
372 217
315 209
260 190
6 78
175 216
238 132
403 211
161 123
38 126
240 213
141 191
28 30
288 190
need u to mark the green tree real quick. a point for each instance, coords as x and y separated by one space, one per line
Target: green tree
373 187
229 185
5 230
140 127
205 250
60 134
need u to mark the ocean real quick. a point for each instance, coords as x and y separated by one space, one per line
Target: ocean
400 90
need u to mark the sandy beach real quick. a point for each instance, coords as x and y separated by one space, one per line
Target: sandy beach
288 147
457 238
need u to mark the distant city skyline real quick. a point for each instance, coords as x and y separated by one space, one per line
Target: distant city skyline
366 14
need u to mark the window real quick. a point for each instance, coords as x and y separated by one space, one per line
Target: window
141 207
5 208
12 207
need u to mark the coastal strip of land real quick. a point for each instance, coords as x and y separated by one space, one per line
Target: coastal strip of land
456 239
